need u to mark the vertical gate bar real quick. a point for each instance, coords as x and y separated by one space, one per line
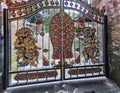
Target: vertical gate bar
105 47
18 80
42 30
74 51
63 59
48 39
99 44
6 49
16 30
62 5
37 41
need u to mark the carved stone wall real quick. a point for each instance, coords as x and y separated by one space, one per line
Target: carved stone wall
114 41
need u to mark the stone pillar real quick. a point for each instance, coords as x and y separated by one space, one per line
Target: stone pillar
0 37
1 46
114 41
0 33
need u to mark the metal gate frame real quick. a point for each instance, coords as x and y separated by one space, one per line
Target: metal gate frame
7 18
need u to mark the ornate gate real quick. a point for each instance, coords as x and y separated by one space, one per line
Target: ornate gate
51 40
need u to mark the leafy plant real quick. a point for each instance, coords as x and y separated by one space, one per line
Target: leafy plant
33 18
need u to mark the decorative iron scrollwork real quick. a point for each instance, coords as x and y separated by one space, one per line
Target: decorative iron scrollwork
84 71
62 34
45 61
26 47
91 49
35 75
77 60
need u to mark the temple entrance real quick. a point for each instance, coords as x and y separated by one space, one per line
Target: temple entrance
53 40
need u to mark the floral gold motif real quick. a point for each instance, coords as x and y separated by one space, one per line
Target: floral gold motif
26 47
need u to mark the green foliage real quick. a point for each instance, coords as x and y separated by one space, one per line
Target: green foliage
46 23
33 18
52 12
73 15
14 61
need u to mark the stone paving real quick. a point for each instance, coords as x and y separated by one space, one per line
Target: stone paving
89 85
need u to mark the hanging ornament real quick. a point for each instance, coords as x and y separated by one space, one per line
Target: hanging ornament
85 10
45 61
77 60
35 7
40 4
96 17
71 4
79 22
77 49
42 33
45 50
72 63
53 63
13 14
25 11
81 7
19 12
52 2
30 9
57 3
100 19
76 5
39 21
66 3
46 3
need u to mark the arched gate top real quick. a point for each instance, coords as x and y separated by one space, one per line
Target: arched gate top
26 9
